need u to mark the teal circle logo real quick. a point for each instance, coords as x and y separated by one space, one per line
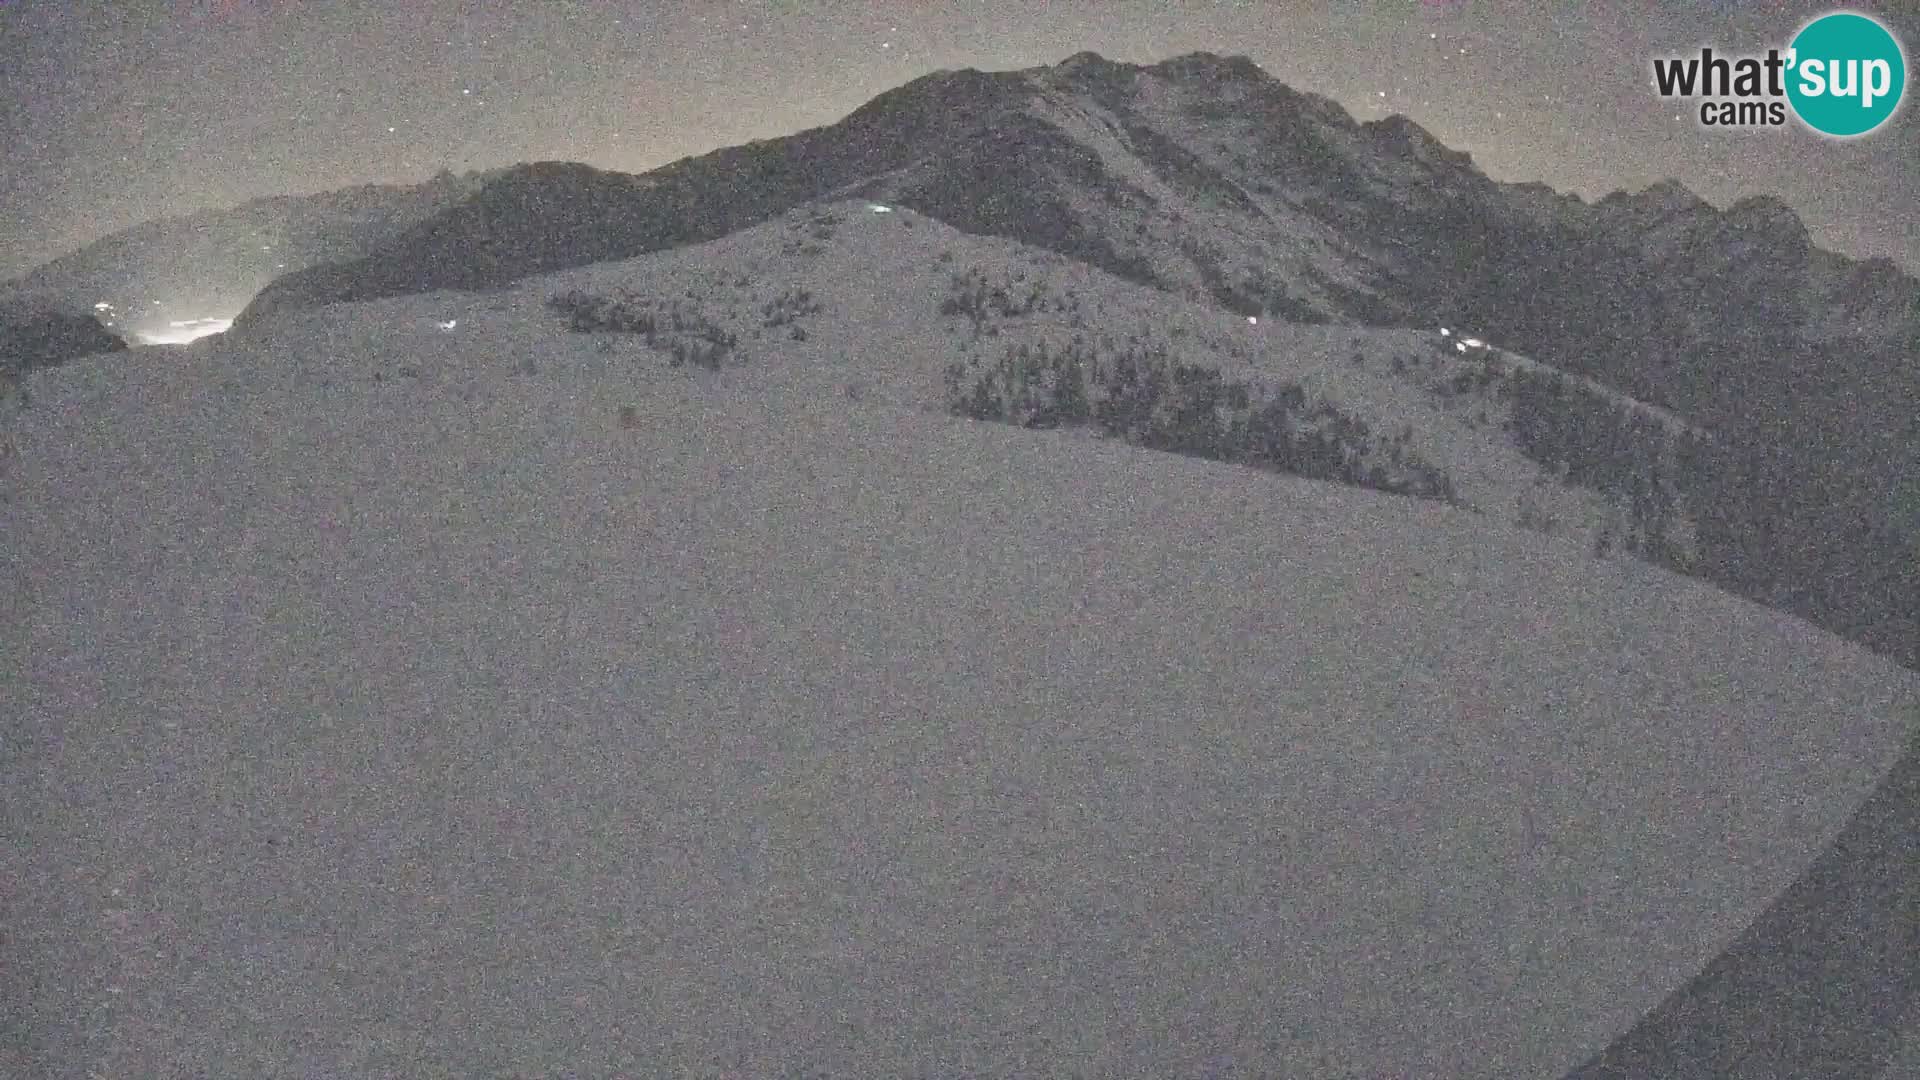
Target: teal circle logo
1846 74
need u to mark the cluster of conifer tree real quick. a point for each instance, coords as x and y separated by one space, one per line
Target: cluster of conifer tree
1142 395
684 335
1770 524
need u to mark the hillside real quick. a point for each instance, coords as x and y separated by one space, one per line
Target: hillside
1204 178
449 681
887 305
893 303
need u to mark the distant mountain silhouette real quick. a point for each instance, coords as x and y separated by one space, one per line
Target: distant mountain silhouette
211 264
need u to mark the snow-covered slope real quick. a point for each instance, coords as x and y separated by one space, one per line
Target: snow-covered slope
388 698
877 305
853 291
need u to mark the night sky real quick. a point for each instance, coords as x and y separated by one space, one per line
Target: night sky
117 111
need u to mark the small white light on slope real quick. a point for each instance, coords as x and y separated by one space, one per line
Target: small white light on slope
1474 343
1444 332
449 324
1460 346
879 209
1253 320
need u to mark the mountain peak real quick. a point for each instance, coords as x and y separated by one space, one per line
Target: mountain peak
1086 58
1663 199
1540 189
1209 66
1766 212
1405 137
1670 194
1088 70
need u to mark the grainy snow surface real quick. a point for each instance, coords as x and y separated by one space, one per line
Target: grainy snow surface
445 724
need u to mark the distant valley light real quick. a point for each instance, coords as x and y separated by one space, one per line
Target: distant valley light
181 331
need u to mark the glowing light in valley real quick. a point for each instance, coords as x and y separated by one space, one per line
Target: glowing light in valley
449 324
182 331
1253 320
879 209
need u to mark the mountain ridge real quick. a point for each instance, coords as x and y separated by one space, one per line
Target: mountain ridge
1310 144
1205 178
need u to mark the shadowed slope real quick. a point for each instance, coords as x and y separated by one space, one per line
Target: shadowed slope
32 339
1822 985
